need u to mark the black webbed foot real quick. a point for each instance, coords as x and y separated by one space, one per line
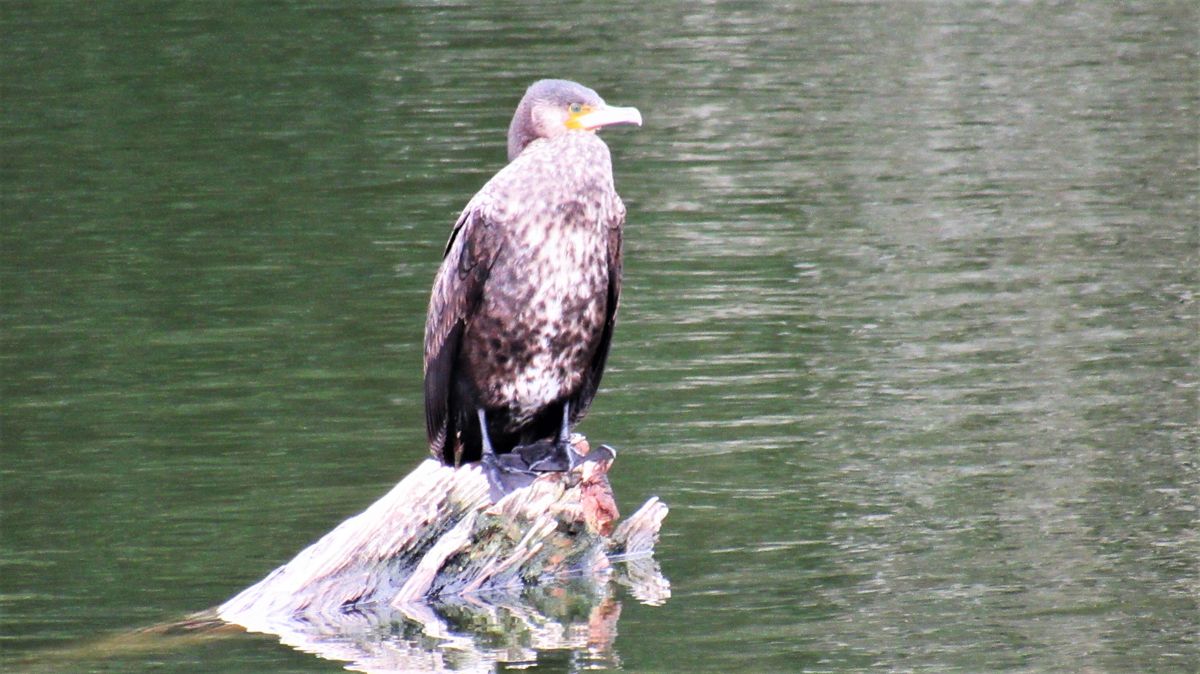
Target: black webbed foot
557 455
601 453
550 456
505 473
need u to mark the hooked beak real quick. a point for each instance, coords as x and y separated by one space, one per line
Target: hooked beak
607 116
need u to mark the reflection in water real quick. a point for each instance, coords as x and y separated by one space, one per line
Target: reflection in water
473 634
574 617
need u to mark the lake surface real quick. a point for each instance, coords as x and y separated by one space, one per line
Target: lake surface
909 339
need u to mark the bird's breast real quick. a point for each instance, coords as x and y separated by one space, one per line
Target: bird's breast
543 308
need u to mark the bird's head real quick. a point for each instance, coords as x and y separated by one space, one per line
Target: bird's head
553 107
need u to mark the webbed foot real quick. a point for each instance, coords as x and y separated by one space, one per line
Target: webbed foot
505 473
558 455
551 456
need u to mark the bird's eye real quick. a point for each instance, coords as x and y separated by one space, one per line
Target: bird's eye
576 108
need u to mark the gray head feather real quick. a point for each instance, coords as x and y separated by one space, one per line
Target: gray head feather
544 103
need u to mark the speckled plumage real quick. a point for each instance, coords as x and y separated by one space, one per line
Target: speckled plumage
523 306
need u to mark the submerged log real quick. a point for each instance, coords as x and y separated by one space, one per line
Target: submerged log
436 537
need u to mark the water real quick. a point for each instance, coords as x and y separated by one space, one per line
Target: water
908 340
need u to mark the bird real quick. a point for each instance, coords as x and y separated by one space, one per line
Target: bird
524 303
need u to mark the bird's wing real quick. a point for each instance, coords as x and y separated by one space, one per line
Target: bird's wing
591 380
456 292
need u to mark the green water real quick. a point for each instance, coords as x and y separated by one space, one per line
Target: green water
909 338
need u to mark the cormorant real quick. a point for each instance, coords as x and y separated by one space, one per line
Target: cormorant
523 306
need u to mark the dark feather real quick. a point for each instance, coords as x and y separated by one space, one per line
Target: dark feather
456 293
